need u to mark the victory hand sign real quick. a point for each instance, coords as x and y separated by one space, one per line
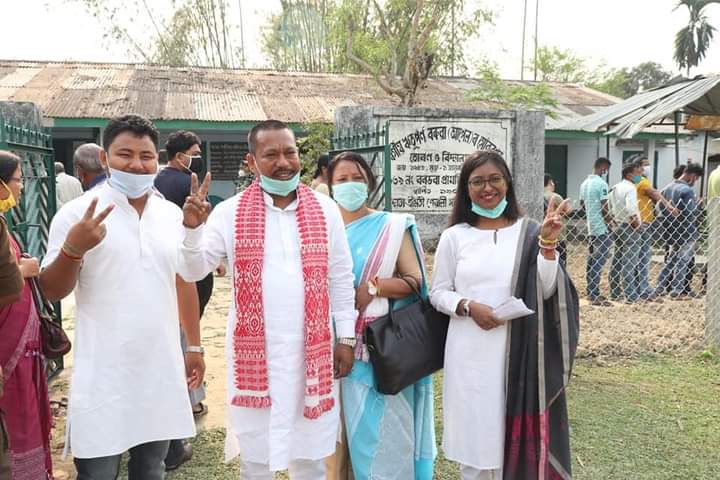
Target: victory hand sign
87 233
552 226
196 208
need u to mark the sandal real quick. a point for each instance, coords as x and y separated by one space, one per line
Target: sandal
202 412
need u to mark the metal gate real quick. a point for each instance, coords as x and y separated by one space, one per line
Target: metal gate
373 146
30 221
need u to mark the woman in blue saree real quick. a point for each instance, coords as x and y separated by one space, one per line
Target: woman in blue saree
388 436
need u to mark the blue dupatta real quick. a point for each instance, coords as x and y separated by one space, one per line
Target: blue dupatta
389 436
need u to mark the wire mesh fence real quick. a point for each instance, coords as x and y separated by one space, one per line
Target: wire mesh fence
649 285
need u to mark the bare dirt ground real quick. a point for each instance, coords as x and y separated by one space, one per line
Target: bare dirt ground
618 331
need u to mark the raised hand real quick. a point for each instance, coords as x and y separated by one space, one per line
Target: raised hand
196 208
89 231
553 225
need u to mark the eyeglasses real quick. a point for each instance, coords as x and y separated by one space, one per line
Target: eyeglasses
478 183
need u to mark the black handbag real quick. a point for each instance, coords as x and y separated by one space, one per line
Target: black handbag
406 344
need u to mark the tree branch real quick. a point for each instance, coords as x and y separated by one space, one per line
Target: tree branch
389 38
383 82
161 36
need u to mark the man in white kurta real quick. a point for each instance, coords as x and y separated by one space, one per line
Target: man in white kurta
126 329
129 389
279 437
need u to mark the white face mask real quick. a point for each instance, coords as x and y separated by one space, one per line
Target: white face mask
132 185
647 171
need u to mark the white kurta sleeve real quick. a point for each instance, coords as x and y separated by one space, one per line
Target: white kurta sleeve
547 271
203 248
442 294
340 266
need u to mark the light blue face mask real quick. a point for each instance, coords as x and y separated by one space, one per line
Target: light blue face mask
350 195
132 185
279 187
490 212
636 179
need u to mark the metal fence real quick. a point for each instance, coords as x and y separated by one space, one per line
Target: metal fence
29 222
652 286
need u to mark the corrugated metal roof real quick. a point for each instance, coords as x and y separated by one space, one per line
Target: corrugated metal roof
700 96
98 90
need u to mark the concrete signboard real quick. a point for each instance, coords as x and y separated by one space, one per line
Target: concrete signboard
426 158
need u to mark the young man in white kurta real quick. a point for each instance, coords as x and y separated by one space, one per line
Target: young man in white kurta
477 265
128 388
128 383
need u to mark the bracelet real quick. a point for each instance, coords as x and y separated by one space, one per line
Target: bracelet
74 251
544 241
195 349
547 247
69 256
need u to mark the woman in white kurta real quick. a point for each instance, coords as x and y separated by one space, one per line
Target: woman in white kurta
474 266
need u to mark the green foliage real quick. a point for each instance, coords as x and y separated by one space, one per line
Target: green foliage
191 32
512 95
560 65
316 142
312 35
693 40
614 83
625 83
301 37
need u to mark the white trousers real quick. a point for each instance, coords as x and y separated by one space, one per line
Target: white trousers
298 469
471 473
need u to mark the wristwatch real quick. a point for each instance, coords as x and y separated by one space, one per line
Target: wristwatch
195 349
349 341
372 287
466 308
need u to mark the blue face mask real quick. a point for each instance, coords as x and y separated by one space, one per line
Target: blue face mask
132 185
279 187
636 179
350 195
490 212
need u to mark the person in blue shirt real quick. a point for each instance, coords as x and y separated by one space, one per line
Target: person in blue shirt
681 232
594 199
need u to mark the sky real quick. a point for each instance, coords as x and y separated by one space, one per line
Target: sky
614 33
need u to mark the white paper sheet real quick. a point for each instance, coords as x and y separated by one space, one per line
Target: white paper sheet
511 309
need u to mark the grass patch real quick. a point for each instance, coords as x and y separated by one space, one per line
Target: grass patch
652 418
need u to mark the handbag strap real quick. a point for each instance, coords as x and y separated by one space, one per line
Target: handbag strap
413 286
41 304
